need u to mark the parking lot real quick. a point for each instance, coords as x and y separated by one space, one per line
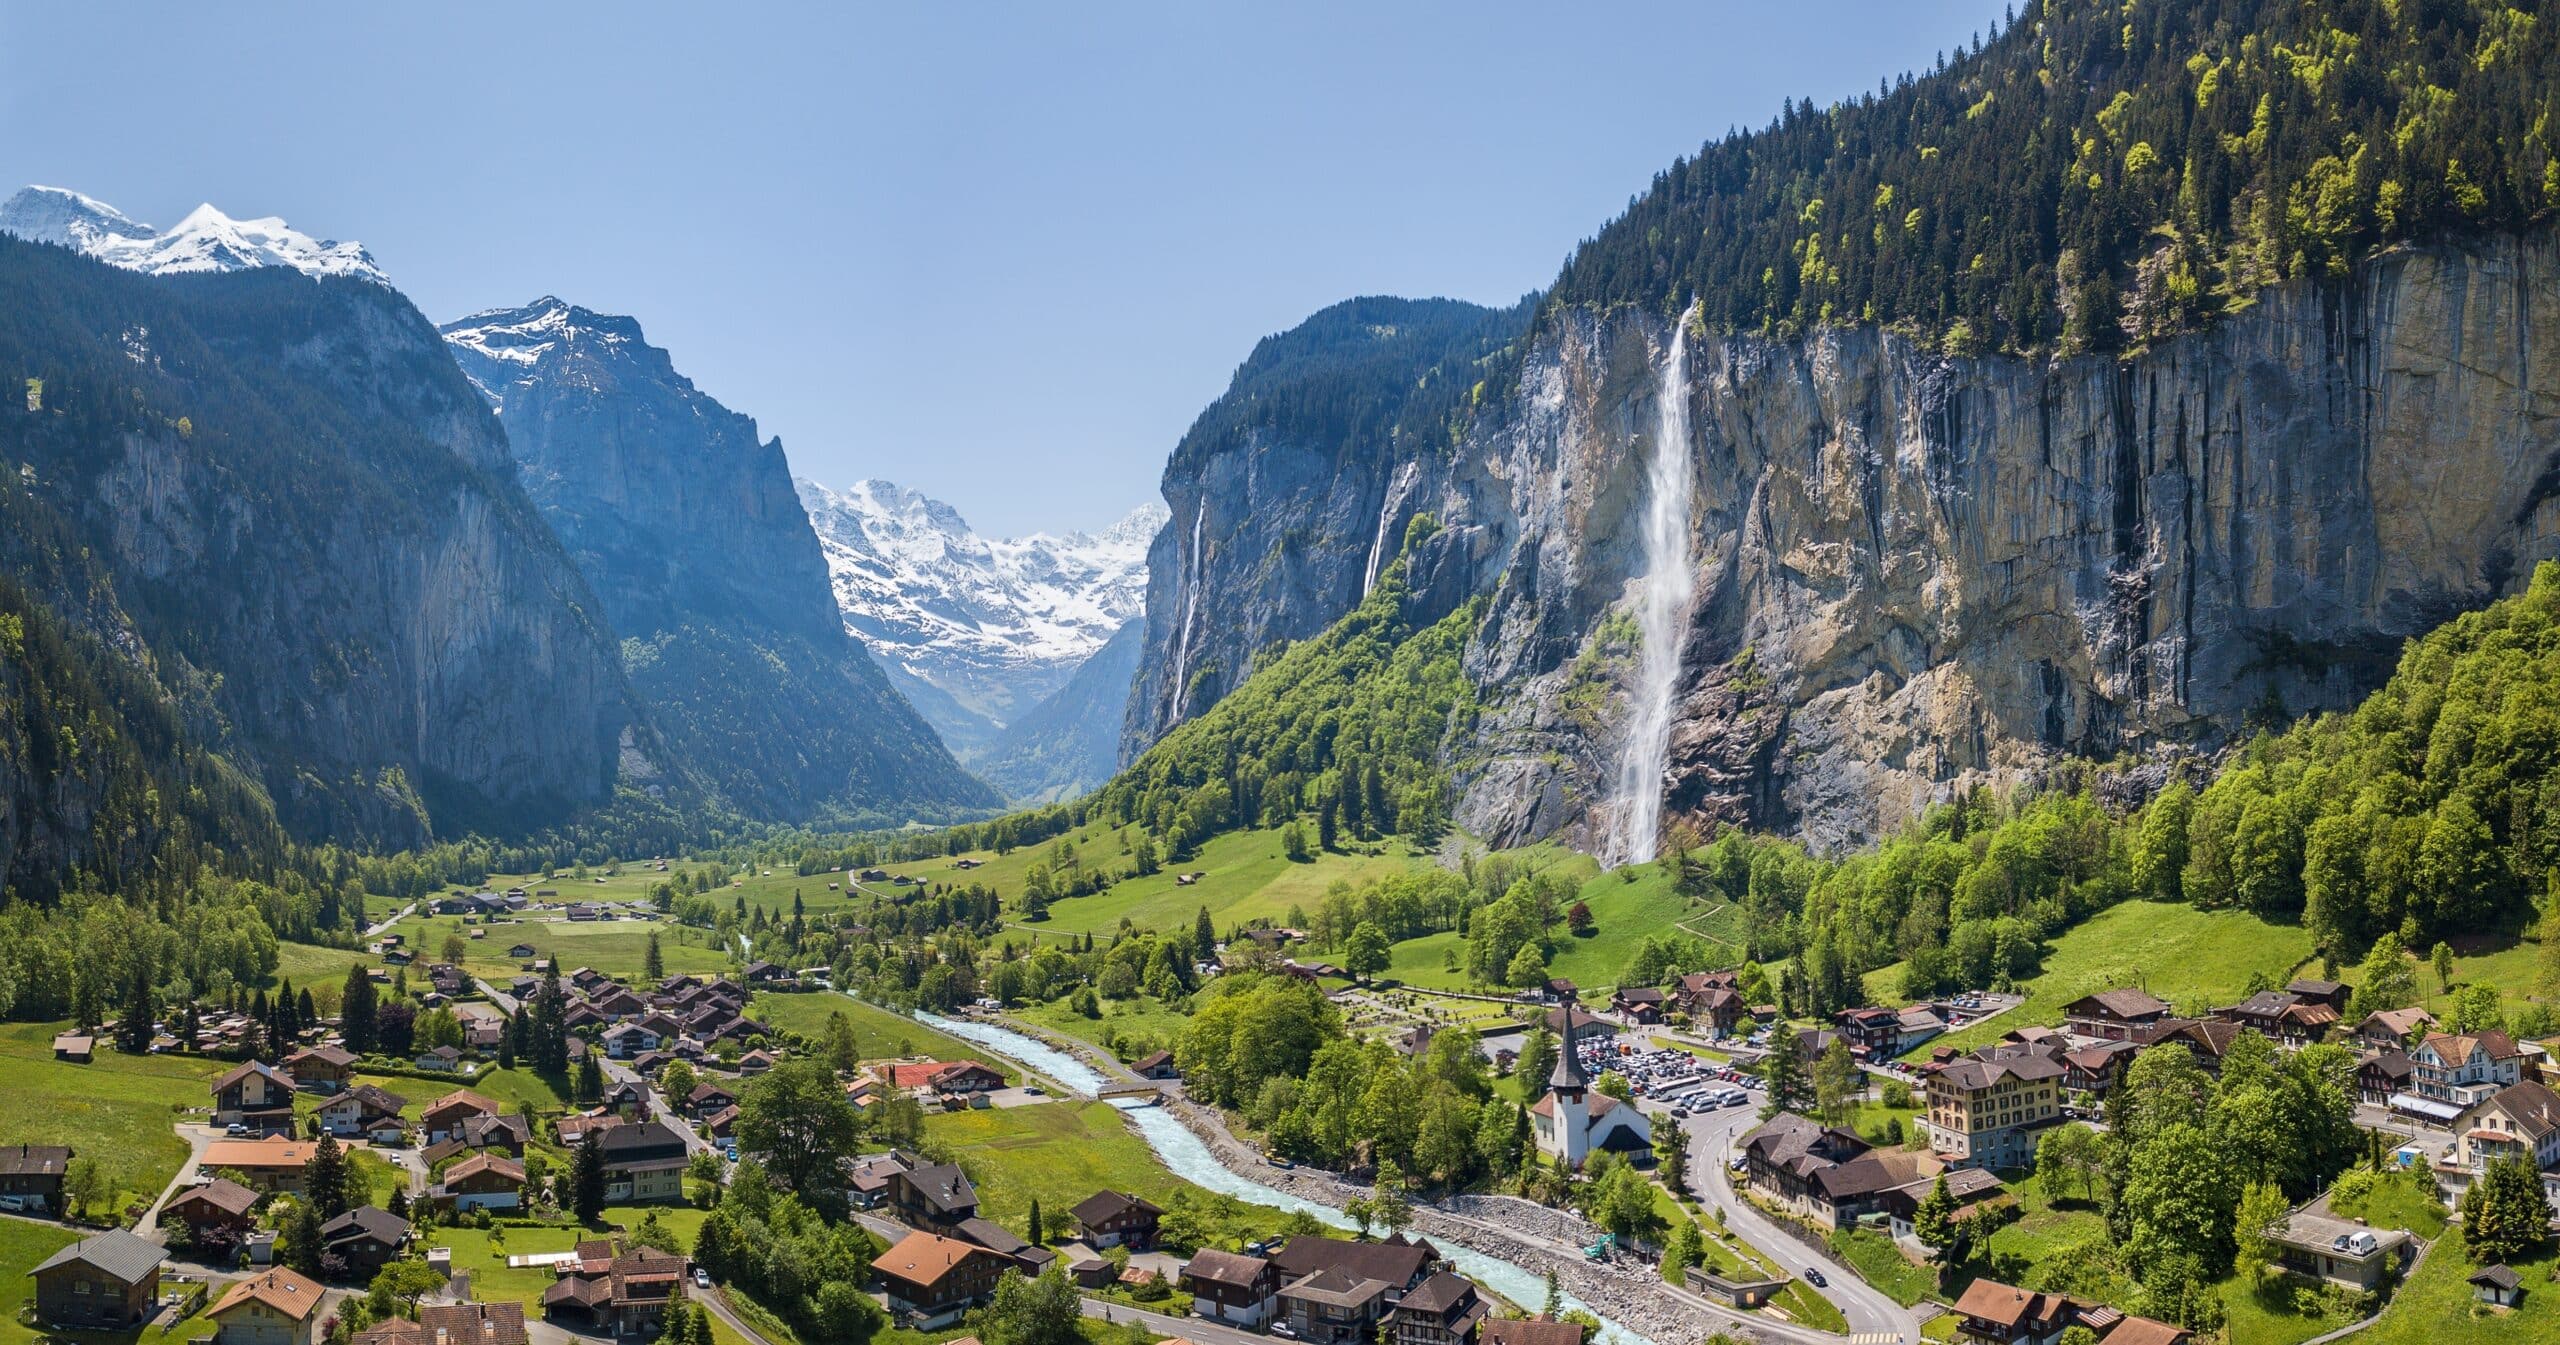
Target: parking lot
1674 1081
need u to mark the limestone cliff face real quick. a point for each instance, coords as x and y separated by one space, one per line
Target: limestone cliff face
279 499
1918 574
686 524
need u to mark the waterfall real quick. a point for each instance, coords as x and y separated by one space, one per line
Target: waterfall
1396 489
1662 615
1190 613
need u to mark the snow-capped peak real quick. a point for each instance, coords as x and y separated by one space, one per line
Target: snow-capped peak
916 581
206 240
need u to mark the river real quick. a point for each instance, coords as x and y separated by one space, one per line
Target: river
1187 1157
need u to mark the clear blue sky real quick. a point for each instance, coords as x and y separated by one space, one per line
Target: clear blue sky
1002 254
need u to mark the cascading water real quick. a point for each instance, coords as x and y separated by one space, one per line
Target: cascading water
1662 615
1396 488
1190 613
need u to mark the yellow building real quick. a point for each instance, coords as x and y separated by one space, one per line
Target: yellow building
1984 1110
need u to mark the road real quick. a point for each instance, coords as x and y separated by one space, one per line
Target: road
617 1072
1873 1318
1185 1328
197 1137
379 927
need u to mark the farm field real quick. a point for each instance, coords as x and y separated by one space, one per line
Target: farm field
1058 1153
2193 959
616 947
117 1110
878 1032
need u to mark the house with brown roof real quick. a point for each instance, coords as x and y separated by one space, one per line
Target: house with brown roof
33 1173
276 1306
1528 1331
1975 1190
2207 1039
107 1282
930 1281
2122 1014
78 1048
1991 1313
2286 1019
1712 999
2095 1070
216 1213
365 1111
1985 1110
1442 1310
256 1095
1240 1291
484 1181
1333 1291
1155 1065
272 1164
2313 991
321 1069
2460 1069
620 1291
2384 1074
1115 1219
366 1238
442 1120
2521 1120
2394 1029
451 1324
1639 1003
1024 1258
643 1163
1572 1022
934 1195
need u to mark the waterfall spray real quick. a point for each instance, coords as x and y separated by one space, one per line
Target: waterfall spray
1662 616
1190 614
1396 488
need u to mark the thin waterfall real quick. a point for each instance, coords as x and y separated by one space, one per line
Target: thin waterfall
1662 614
1190 614
1396 489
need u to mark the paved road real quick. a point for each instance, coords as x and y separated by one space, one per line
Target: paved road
1187 1328
379 927
197 1137
1873 1318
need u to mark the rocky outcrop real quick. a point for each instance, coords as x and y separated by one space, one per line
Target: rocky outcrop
276 497
687 526
1919 574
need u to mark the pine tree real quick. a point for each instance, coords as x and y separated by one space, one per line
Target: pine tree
1783 1072
586 1180
134 1032
1034 1236
326 1178
356 1010
654 963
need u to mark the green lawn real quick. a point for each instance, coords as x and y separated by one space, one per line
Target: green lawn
1874 1257
118 1110
2254 1319
1059 1153
2435 1306
614 947
2395 1201
878 1032
2043 1226
1131 1020
22 1246
2194 959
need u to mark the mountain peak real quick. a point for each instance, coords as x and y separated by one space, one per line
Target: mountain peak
206 240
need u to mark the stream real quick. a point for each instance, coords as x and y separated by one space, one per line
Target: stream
1187 1157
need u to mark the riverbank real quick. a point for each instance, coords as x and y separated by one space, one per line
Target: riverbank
1627 1291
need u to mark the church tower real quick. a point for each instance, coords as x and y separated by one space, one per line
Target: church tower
1568 1086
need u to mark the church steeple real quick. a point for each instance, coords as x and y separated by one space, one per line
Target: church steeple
1567 1079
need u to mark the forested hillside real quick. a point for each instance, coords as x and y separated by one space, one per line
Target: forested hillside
1299 477
2100 174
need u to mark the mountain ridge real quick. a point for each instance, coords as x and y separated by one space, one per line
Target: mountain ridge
976 630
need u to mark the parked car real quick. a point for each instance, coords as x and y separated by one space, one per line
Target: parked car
1813 1277
701 1278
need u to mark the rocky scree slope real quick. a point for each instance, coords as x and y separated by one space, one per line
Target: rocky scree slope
1919 573
279 501
977 631
686 525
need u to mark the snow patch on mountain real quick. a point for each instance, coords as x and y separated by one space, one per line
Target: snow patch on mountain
206 240
990 625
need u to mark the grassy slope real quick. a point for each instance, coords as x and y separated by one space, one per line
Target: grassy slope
1628 906
2193 959
1061 1152
2435 1306
118 1110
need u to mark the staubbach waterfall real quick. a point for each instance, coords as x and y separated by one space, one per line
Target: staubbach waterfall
1662 616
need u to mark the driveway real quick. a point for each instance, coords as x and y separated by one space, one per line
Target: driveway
197 1137
1873 1318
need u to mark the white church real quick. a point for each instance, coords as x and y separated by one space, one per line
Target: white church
1573 1122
